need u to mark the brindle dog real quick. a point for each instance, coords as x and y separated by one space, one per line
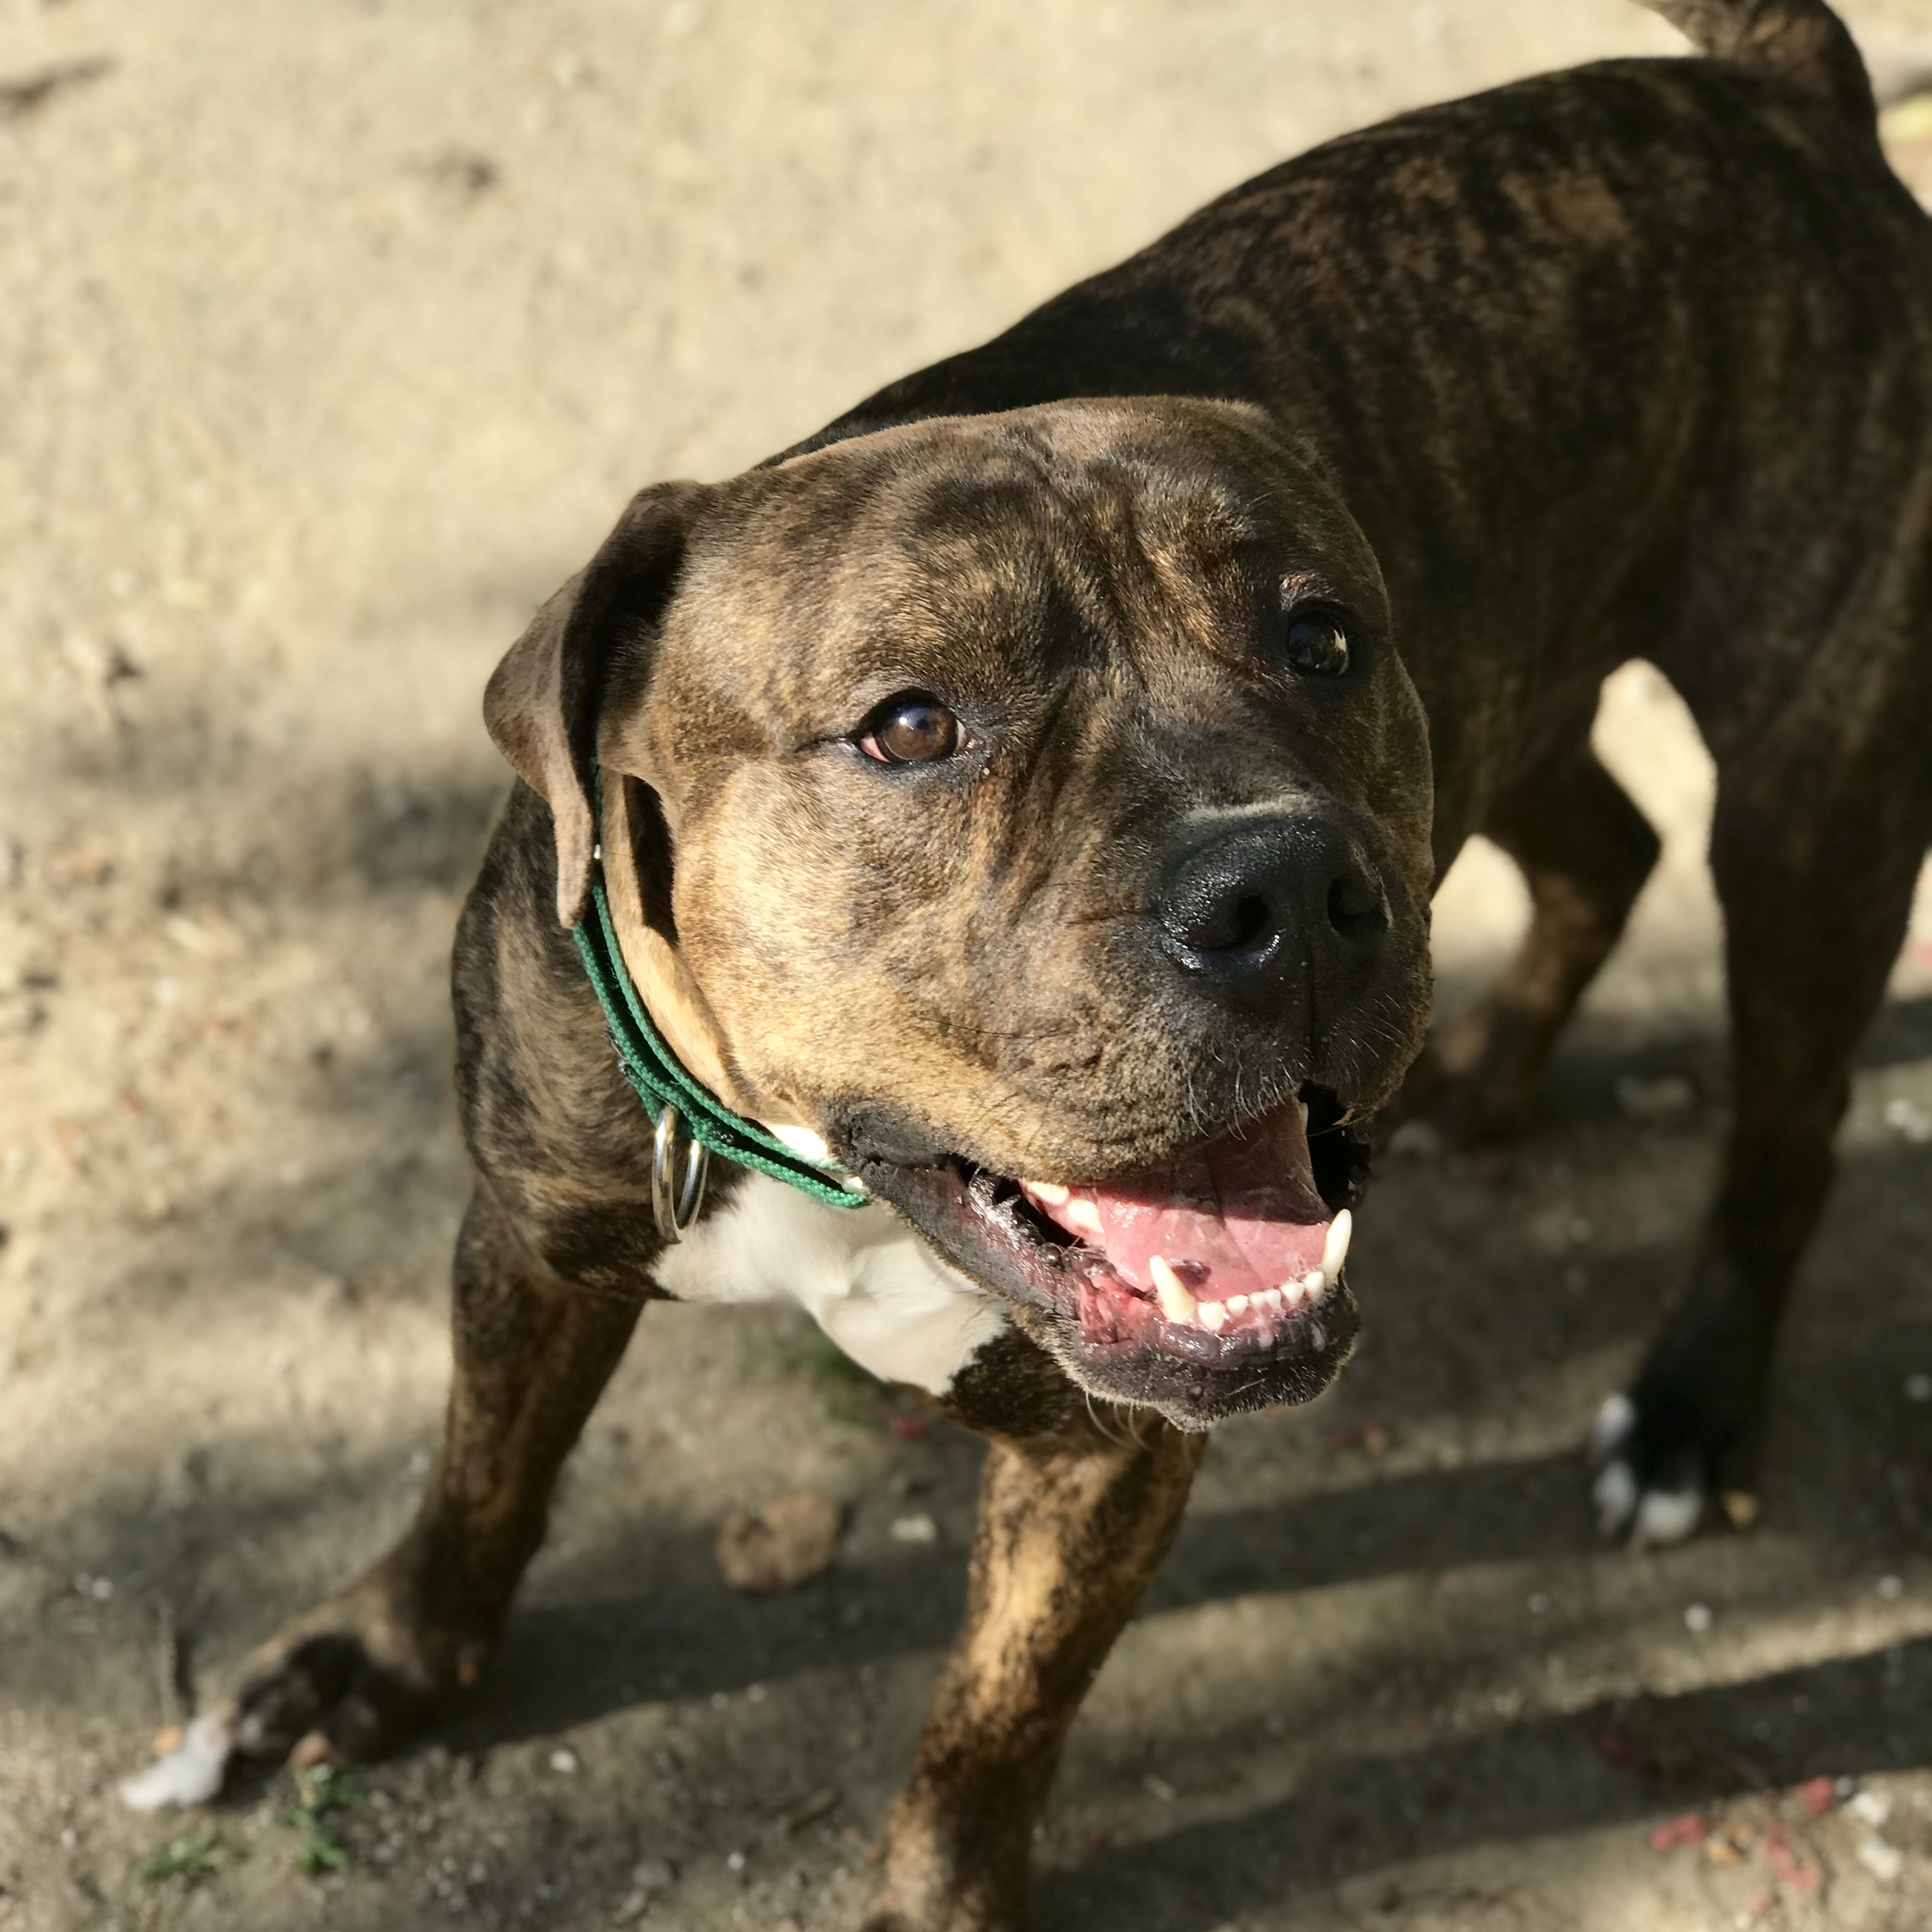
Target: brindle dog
1029 790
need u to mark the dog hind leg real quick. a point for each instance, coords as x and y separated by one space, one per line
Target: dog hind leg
351 1679
1072 1527
1585 851
1817 841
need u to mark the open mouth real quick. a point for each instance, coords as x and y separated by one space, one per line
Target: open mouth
1212 1282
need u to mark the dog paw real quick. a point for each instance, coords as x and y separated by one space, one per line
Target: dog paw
351 1681
1653 1483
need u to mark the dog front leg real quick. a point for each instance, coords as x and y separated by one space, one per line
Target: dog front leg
1071 1527
353 1677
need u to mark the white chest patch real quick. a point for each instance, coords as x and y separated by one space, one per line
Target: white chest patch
869 1281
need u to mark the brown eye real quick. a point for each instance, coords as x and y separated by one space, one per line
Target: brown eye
911 730
1318 642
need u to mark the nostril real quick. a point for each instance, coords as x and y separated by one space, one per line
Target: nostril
1355 909
1225 921
1250 921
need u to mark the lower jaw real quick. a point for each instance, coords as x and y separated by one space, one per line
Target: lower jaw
1112 1316
1115 1343
1192 1379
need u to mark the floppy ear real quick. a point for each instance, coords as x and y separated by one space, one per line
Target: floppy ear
542 701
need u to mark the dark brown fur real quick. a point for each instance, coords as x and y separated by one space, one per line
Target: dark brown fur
1631 361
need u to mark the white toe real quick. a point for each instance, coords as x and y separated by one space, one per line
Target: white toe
1615 1493
1665 1516
1611 1430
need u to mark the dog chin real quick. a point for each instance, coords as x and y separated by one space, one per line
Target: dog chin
1209 1285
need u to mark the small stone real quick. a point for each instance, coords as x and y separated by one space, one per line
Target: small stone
564 1760
1871 1807
917 1528
790 1541
650 1875
1697 1619
1416 1140
1884 1862
1669 1097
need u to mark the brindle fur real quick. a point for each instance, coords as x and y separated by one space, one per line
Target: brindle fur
1629 361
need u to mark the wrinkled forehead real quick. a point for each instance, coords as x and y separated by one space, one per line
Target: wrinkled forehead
973 547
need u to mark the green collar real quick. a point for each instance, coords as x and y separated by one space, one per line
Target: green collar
660 1079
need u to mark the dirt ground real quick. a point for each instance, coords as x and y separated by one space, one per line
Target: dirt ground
333 338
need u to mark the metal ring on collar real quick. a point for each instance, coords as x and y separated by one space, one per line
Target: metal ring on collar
674 1202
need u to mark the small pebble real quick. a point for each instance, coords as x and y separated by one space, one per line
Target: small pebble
1697 1619
918 1528
1884 1862
564 1760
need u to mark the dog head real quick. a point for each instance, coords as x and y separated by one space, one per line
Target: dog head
1033 807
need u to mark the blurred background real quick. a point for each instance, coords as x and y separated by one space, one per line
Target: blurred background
331 339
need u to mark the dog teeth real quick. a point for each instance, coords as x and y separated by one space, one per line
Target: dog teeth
1082 1216
1301 1108
1271 1299
1315 1284
806 1145
1335 1249
1177 1298
1291 1292
1048 1193
1211 1315
1236 1304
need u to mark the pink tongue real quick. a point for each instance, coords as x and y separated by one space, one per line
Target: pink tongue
1239 1216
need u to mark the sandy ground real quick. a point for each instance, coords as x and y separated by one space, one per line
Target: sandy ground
332 338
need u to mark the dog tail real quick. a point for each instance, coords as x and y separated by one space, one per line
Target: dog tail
1800 42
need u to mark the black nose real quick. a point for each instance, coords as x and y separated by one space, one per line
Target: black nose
1271 904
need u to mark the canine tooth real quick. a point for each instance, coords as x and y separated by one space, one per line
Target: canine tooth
1050 1192
1177 1298
1236 1304
806 1145
1211 1315
1335 1249
1082 1216
1301 1108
